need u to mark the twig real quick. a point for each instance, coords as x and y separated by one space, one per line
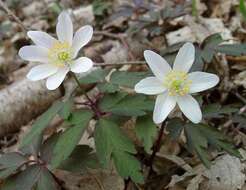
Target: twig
121 63
156 147
12 15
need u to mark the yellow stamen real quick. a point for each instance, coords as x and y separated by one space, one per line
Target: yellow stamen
177 83
60 53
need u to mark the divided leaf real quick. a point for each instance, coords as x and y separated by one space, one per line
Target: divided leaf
46 181
80 159
10 162
41 123
112 143
131 105
199 136
146 131
68 140
95 76
24 180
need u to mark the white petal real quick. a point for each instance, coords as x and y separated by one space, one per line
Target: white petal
81 38
55 80
190 108
149 86
41 38
34 53
82 64
163 106
41 72
185 58
64 28
157 64
202 81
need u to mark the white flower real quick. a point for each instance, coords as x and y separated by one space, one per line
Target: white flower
175 85
58 57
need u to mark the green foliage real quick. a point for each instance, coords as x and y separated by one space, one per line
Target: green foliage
96 76
126 105
46 181
80 159
146 131
175 127
199 136
100 7
112 143
24 180
108 87
70 138
218 111
242 8
10 162
127 79
41 123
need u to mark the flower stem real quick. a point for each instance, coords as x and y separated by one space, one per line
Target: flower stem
156 147
92 104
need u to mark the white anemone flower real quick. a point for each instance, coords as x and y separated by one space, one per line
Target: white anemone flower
174 86
58 57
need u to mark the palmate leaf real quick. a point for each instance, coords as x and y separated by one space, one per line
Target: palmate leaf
41 123
199 136
126 78
175 127
95 76
126 105
112 143
46 181
10 162
80 159
24 180
68 140
146 131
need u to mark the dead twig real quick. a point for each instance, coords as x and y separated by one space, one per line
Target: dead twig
13 16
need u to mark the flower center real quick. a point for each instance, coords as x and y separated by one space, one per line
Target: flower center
177 83
60 53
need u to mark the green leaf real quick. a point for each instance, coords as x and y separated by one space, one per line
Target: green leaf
146 131
131 105
46 181
232 49
217 111
10 162
209 45
175 127
199 136
65 112
107 87
110 100
218 140
111 142
69 139
242 8
197 142
41 123
47 147
126 78
24 180
81 158
95 76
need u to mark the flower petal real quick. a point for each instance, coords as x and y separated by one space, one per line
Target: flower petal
81 38
190 108
55 80
64 28
149 86
185 58
41 72
202 81
157 64
34 53
163 106
41 38
82 64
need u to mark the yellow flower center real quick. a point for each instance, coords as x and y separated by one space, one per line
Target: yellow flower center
177 83
60 53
